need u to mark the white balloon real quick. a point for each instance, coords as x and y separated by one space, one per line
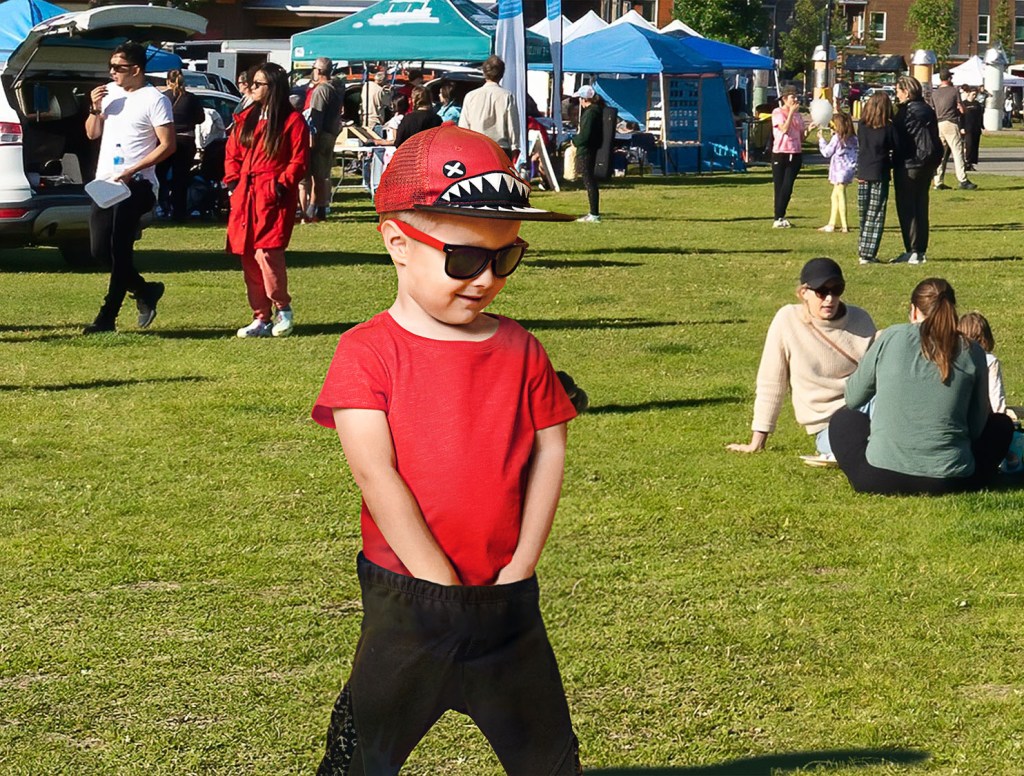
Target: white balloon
821 111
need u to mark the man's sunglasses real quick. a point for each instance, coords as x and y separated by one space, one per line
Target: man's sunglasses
116 68
836 291
463 262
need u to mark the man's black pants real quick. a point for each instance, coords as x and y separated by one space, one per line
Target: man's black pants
912 188
112 233
427 648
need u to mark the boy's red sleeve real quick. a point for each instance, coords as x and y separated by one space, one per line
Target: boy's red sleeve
549 403
356 379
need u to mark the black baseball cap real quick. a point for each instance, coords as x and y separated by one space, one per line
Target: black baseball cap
817 272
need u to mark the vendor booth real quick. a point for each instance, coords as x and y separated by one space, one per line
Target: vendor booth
677 96
411 31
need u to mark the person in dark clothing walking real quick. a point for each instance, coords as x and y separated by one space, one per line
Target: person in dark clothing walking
915 159
421 116
587 141
972 117
875 141
188 112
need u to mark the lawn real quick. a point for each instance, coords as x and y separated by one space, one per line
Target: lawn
177 591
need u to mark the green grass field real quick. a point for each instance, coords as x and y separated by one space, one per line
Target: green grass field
177 585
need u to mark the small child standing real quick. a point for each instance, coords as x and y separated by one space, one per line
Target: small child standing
841 151
974 327
453 423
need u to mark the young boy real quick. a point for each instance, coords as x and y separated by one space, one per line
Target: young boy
453 423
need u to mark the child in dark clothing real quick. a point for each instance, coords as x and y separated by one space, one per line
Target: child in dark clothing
875 140
454 426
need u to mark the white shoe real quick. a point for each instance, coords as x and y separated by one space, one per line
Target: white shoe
285 322
786 224
257 328
826 228
781 223
916 258
868 261
589 218
820 461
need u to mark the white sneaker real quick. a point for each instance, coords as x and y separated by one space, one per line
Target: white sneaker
916 258
285 322
589 218
257 328
864 260
826 228
820 461
778 223
786 224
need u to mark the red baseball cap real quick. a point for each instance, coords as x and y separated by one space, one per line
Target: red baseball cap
453 170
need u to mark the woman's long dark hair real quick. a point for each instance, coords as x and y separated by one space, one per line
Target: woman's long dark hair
274 106
940 339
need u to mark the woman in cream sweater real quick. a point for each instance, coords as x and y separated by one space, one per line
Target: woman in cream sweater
811 349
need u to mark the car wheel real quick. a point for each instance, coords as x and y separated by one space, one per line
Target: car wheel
78 256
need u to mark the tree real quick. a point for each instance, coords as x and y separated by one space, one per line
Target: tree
740 22
934 24
804 34
1002 25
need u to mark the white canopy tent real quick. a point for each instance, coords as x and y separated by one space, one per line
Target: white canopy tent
677 25
632 17
586 24
972 73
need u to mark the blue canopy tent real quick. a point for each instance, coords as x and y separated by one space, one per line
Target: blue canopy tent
730 57
648 75
18 17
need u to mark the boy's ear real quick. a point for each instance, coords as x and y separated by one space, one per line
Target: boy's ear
395 242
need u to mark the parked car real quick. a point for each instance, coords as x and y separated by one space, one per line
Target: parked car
222 102
45 157
886 88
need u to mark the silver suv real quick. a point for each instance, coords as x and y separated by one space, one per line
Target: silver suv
45 157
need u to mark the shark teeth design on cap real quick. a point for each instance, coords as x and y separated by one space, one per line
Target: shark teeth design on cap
490 190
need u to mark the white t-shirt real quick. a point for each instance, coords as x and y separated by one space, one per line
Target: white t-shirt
131 119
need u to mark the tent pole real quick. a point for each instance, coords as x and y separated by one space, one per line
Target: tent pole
664 123
700 123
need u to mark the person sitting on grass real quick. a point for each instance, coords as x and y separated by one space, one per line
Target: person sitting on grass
454 426
811 348
932 430
975 327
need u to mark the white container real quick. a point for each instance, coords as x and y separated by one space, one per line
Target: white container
107 193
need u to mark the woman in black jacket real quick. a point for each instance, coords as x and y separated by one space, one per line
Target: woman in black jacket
587 142
915 159
875 141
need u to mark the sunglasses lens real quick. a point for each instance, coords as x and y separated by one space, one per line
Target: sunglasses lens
508 259
466 262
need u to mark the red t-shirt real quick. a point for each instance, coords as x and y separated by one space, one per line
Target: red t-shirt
463 417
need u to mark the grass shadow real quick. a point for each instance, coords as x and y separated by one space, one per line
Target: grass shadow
663 404
170 262
773 764
301 330
93 384
614 323
1012 226
987 258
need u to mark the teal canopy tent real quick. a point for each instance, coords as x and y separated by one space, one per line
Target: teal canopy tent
411 30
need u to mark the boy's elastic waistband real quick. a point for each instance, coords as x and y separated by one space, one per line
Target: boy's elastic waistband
378 576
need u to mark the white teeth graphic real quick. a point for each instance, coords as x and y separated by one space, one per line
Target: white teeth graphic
478 183
494 179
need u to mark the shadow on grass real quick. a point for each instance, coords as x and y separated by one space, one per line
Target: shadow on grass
986 258
769 765
227 332
1012 226
167 262
614 323
93 384
664 404
580 263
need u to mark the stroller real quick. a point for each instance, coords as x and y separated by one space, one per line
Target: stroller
207 197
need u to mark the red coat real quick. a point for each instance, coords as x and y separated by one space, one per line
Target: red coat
259 218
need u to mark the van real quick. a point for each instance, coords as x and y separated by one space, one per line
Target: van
45 157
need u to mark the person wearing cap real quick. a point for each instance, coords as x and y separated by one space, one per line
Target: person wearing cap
811 348
324 106
492 110
932 429
454 426
788 132
588 141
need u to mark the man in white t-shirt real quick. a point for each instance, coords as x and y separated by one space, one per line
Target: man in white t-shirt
136 125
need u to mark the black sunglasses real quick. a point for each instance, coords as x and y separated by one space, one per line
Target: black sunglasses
835 290
120 68
463 262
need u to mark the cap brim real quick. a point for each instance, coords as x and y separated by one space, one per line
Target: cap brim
501 213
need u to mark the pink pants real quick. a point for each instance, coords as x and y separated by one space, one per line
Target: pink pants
266 282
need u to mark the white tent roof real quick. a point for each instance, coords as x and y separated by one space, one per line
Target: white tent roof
541 27
972 73
632 17
586 24
676 24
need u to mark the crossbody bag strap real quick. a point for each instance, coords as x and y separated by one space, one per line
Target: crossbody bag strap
821 335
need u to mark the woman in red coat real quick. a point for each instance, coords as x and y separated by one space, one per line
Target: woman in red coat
267 155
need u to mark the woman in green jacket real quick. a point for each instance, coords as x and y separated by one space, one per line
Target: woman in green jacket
588 141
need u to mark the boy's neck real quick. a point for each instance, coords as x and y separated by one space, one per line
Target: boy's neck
483 327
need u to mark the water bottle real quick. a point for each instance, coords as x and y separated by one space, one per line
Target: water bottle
118 160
